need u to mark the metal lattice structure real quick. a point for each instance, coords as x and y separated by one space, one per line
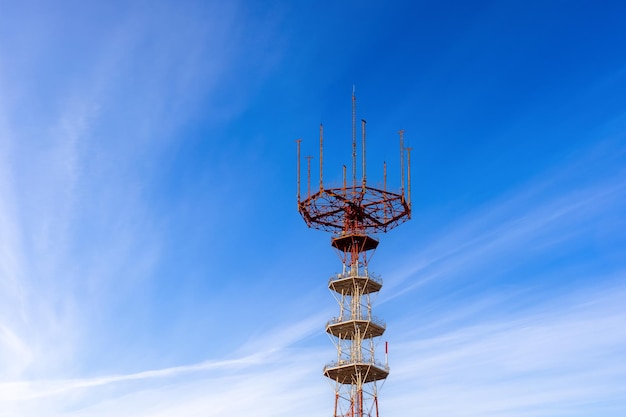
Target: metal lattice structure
353 214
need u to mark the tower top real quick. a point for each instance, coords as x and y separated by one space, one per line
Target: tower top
355 208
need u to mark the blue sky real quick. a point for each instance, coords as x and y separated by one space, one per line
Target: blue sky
152 260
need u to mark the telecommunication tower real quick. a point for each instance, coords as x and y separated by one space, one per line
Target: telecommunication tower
354 213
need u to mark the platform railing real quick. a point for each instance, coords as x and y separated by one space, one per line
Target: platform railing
373 319
349 362
366 275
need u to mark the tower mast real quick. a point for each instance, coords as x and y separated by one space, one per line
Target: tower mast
353 218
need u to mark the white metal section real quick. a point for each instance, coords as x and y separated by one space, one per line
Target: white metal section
355 332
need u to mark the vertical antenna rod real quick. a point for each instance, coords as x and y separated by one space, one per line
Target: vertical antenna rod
298 142
321 154
385 175
408 151
308 181
402 159
363 150
353 138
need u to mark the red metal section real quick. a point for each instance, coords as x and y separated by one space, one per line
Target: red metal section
365 210
376 404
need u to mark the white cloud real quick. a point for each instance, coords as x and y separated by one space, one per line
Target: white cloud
275 381
547 215
78 235
77 232
550 359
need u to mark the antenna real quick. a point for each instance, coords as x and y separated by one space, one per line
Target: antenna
321 154
353 138
363 156
384 175
408 151
401 132
298 146
308 181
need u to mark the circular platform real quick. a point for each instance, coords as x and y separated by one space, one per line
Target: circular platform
356 210
346 372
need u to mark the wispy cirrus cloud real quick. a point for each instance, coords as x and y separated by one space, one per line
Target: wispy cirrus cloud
85 307
77 156
557 357
483 338
560 210
273 377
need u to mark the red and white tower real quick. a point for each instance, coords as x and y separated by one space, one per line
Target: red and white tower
354 213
